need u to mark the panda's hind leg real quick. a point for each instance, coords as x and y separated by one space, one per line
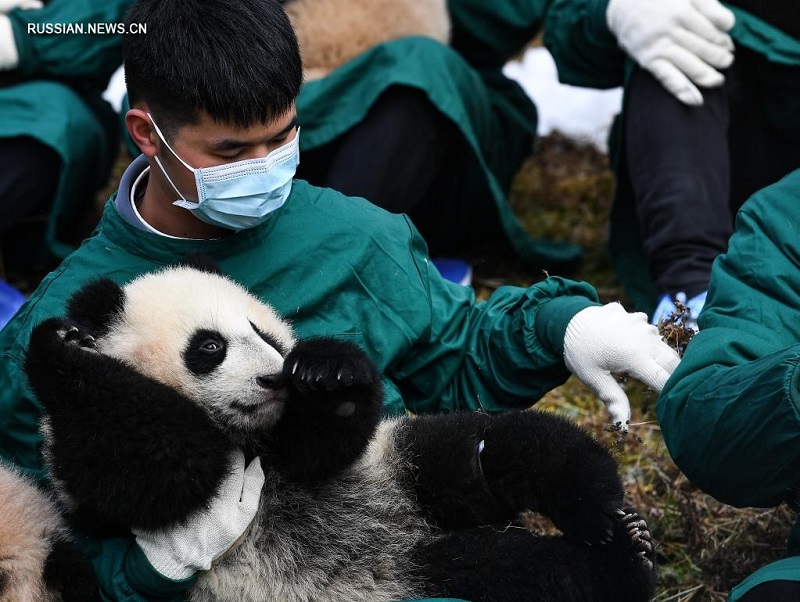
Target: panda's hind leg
489 564
473 469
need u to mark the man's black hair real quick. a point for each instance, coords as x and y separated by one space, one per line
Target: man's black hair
237 60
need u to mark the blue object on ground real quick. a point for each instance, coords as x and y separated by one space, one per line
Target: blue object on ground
454 270
10 301
666 307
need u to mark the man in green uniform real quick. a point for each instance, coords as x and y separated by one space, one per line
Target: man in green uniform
686 157
333 265
729 413
362 121
58 137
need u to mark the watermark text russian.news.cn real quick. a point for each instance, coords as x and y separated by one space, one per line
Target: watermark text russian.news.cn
102 29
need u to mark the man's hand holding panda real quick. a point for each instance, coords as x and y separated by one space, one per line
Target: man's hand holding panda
180 551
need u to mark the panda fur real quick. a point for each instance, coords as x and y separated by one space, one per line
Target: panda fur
354 507
38 560
332 32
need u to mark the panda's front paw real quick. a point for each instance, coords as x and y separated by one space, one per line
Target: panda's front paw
56 336
328 365
74 337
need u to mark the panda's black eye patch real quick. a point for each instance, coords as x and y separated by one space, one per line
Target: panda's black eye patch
205 351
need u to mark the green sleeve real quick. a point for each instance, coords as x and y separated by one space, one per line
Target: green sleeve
499 354
489 33
125 575
20 439
585 51
86 57
729 413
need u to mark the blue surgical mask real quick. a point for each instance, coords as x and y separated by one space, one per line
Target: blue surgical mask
242 194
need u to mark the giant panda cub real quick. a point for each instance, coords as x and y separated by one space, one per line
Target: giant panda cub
147 388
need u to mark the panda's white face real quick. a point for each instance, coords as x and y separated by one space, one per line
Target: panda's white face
206 337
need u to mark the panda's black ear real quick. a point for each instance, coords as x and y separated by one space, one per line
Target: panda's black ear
96 304
202 262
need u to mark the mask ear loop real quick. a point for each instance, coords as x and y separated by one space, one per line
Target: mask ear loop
184 202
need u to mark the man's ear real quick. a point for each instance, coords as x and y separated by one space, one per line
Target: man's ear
140 127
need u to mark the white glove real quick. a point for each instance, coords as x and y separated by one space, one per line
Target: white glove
179 552
9 56
6 6
678 41
602 340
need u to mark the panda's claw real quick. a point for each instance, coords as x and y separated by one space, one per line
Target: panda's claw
637 535
71 334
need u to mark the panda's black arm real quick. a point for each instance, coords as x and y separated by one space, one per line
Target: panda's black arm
334 407
109 428
473 468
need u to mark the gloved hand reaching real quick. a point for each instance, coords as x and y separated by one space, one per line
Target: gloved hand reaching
603 340
681 42
179 552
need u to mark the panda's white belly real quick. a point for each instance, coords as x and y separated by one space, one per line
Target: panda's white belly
350 540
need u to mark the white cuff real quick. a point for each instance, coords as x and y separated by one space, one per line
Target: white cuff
9 57
162 555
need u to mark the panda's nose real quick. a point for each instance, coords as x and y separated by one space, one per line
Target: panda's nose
270 381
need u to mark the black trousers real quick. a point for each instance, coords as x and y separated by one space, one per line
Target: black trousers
774 591
29 173
407 157
692 168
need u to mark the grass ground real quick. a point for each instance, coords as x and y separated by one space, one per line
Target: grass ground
704 547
